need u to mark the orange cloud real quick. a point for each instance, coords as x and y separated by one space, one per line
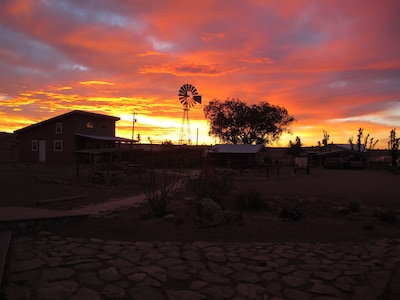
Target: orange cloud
334 66
96 82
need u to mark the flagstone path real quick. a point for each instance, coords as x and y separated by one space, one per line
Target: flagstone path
48 266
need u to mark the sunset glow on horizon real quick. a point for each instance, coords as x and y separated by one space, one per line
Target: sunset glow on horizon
334 65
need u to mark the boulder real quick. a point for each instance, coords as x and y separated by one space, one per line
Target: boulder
209 213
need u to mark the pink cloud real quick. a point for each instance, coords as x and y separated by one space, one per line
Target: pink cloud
322 60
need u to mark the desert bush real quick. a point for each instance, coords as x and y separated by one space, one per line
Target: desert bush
210 183
386 215
250 200
354 206
160 189
291 213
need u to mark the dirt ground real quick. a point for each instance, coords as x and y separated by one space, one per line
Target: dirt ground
335 205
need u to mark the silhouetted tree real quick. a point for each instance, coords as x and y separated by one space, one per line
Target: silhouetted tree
394 143
363 144
372 143
167 143
325 140
359 137
295 148
351 143
235 122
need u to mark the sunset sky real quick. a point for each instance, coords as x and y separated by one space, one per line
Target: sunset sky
334 65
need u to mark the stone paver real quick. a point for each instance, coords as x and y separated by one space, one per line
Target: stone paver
55 267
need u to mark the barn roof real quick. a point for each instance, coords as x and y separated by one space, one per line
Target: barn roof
228 148
68 114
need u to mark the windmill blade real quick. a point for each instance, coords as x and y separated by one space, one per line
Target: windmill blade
193 90
188 95
183 100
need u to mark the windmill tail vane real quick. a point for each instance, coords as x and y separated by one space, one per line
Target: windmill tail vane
197 98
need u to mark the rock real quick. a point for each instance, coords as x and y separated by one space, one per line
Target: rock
184 295
57 274
56 290
291 214
148 292
218 292
25 265
137 277
210 213
113 291
89 278
246 276
211 277
85 293
216 257
324 289
342 210
250 291
109 274
169 218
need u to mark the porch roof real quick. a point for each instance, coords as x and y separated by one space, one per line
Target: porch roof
104 138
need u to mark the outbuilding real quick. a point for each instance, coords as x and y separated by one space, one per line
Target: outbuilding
235 156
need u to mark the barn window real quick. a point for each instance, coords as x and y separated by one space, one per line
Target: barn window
58 145
35 145
58 128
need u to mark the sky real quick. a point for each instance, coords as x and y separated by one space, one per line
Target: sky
333 64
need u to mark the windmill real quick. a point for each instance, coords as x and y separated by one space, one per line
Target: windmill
188 96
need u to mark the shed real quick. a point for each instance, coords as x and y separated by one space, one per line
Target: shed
235 156
344 156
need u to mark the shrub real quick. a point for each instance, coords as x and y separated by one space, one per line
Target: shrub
160 190
354 206
386 215
291 213
210 183
250 200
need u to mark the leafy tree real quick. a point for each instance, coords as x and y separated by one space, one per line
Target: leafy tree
295 148
235 122
394 143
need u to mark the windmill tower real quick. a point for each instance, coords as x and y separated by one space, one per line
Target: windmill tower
188 96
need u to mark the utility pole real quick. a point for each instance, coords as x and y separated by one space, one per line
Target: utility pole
133 126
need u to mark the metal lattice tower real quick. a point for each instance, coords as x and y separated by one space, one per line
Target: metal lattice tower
188 96
185 135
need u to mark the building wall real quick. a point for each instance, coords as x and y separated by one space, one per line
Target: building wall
61 131
45 136
91 125
8 147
